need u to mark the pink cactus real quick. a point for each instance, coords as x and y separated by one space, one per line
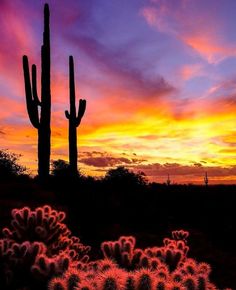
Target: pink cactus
38 249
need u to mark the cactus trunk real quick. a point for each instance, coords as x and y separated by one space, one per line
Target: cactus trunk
42 123
73 153
74 121
44 133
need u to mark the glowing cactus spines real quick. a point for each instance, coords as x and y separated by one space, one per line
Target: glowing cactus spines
41 121
130 283
145 280
30 259
180 235
57 284
74 120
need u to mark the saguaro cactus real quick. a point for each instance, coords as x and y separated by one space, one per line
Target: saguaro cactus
42 123
74 120
168 181
206 180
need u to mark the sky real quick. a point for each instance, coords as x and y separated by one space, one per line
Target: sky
159 77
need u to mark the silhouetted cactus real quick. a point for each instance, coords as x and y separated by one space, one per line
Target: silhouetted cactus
168 181
42 122
206 180
74 120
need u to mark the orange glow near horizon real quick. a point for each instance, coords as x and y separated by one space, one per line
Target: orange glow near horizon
150 137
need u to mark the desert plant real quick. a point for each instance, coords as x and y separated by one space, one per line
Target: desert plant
45 225
42 122
74 120
9 166
125 178
34 256
206 180
60 168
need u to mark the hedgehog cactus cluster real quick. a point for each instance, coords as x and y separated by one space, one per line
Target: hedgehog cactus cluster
115 278
124 253
37 246
125 267
38 251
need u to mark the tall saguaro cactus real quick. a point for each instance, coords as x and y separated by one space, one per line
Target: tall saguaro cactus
74 119
40 111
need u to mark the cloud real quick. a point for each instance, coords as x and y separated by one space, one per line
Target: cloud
120 73
103 159
2 131
187 173
193 24
190 71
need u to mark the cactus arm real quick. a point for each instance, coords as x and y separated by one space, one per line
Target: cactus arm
34 85
30 103
67 114
81 111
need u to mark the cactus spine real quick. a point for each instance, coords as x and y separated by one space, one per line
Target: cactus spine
74 121
42 123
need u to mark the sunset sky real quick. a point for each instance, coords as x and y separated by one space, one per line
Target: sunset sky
159 77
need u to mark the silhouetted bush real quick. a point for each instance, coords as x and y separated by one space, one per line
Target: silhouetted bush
60 168
9 166
122 177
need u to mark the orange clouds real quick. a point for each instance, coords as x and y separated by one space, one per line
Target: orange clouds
209 47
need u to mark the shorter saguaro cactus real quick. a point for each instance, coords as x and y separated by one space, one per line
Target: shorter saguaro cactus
168 181
206 180
74 120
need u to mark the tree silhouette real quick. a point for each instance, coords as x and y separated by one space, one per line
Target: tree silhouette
60 168
9 166
122 176
42 122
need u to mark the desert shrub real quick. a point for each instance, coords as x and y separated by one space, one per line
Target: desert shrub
9 166
60 168
122 176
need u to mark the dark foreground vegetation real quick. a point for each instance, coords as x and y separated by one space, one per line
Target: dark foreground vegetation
124 203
